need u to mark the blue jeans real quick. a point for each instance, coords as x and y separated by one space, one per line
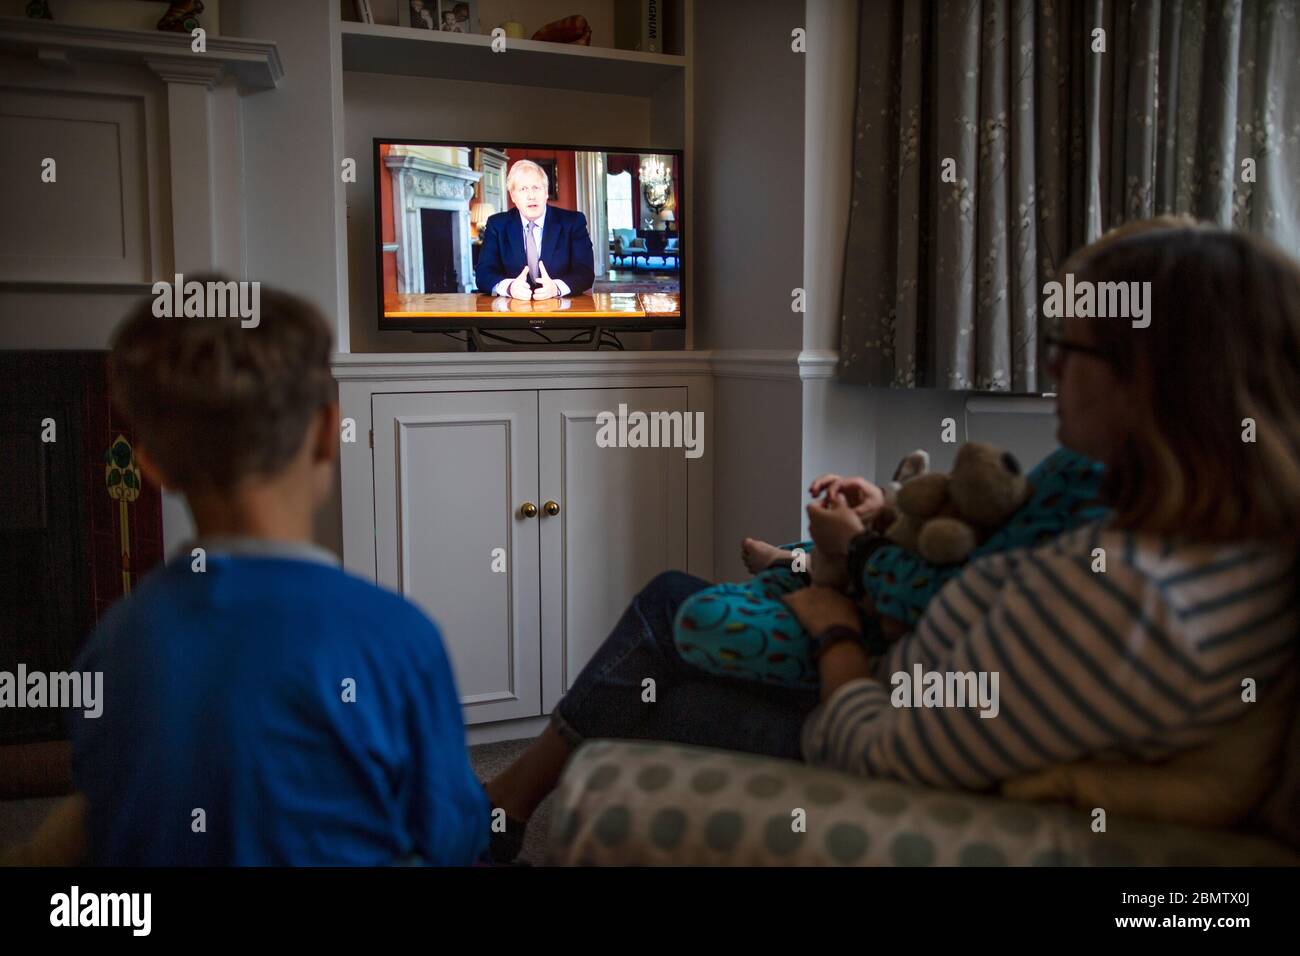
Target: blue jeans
690 706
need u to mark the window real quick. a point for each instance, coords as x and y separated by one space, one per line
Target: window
618 201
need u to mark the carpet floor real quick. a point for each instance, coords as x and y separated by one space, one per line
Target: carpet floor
488 760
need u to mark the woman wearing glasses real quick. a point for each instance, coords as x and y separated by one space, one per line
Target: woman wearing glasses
1147 634
1150 632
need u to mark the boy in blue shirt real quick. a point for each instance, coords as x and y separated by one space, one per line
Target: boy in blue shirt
262 706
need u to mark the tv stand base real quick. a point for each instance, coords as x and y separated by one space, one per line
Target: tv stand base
478 342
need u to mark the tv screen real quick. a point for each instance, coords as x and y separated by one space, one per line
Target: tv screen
508 236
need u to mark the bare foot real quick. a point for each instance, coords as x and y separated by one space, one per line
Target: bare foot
759 555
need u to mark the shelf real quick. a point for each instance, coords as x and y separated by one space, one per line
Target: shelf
254 63
369 48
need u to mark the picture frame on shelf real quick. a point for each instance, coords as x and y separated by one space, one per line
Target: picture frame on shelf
418 14
445 16
458 16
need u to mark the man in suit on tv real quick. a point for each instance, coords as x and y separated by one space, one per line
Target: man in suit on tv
534 251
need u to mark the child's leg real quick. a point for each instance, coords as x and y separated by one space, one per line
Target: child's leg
746 631
759 555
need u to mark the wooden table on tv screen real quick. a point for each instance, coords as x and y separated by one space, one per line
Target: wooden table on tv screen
590 305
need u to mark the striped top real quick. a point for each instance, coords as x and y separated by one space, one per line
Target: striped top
1143 659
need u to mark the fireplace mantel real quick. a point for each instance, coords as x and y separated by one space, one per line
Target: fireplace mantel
255 64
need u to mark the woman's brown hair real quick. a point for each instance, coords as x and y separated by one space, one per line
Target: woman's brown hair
1220 357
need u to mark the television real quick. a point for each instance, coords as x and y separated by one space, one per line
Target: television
484 237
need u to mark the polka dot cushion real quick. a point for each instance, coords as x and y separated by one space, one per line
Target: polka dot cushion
633 803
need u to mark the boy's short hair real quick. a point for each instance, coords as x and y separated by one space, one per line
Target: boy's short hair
213 402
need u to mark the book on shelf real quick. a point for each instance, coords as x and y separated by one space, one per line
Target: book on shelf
364 12
640 25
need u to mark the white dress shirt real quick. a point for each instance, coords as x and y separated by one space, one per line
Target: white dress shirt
503 287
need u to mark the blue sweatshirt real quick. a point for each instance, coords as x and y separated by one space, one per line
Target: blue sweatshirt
273 710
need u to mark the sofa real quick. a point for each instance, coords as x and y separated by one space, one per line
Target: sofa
627 245
645 804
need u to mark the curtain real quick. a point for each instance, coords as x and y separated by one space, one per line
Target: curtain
591 203
991 141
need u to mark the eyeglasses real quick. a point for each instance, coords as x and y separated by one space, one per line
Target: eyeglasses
1057 348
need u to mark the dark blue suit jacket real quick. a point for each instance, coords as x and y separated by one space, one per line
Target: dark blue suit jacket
566 249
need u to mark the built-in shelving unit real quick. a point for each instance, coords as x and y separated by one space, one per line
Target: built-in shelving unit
388 79
370 48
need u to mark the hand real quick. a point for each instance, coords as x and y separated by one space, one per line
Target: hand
821 484
519 288
819 609
546 288
833 524
862 496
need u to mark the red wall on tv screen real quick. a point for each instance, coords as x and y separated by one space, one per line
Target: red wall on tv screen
566 172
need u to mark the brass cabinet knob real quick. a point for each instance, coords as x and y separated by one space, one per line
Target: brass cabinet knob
528 509
552 508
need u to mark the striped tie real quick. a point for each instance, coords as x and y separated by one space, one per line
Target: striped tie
530 249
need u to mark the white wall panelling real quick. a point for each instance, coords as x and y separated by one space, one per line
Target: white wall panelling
451 472
460 442
142 188
624 517
361 377
96 222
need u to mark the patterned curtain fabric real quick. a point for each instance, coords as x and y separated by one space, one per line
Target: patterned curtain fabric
1052 144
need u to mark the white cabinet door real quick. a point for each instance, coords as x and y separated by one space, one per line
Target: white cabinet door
622 519
451 472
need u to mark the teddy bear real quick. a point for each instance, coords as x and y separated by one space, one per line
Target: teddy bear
940 517
944 517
